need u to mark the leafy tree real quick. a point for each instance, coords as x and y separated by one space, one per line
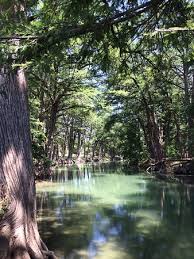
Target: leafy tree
30 30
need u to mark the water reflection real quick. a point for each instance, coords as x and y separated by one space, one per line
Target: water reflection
94 212
85 171
70 173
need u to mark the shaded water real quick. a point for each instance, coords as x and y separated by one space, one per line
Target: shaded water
103 212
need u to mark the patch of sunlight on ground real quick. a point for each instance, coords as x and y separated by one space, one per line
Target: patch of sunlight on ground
109 250
112 250
47 219
148 219
83 254
182 250
182 242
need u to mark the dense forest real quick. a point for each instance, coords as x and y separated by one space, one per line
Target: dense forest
84 81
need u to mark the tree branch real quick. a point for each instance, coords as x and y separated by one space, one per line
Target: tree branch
66 32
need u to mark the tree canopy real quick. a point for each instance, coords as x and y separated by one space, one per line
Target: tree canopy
106 80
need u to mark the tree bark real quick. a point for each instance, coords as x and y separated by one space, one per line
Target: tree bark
191 119
152 132
50 128
79 145
18 227
187 102
71 142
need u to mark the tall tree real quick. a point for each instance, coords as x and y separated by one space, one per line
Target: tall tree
44 26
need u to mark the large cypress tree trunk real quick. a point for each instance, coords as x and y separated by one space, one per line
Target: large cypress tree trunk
189 105
71 142
50 129
18 226
191 119
152 132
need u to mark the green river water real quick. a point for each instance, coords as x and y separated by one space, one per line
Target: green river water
103 211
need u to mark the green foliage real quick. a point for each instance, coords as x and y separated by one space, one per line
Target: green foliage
112 78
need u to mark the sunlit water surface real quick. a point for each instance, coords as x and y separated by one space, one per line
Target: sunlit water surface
105 212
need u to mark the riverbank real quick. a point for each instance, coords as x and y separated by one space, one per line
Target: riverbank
181 170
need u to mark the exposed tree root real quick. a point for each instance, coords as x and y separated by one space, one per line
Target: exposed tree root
22 241
23 252
173 166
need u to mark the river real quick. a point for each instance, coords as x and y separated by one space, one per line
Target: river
105 211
